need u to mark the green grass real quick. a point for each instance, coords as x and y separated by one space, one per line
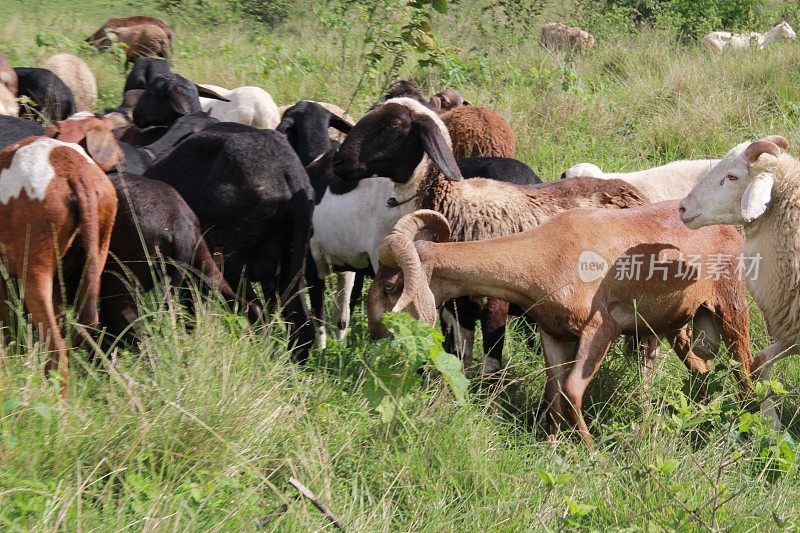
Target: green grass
201 428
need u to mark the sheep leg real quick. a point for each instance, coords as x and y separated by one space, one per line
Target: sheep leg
345 282
493 326
316 293
458 323
557 356
650 352
39 301
595 340
733 325
762 367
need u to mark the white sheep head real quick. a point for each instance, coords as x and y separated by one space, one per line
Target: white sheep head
738 189
787 31
582 170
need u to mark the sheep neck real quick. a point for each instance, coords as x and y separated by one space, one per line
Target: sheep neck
770 36
500 269
775 238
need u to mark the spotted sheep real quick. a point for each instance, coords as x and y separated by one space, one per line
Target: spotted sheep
51 192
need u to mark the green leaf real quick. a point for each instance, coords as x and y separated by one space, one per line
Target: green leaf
11 404
452 373
580 509
43 411
440 6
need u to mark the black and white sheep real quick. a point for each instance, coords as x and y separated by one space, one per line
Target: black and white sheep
53 99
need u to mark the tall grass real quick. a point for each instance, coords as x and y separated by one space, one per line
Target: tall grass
201 427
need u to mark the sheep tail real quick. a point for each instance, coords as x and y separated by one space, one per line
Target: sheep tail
89 234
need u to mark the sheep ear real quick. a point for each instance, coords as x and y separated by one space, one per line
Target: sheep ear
757 196
435 146
103 148
208 93
436 102
338 123
180 101
284 125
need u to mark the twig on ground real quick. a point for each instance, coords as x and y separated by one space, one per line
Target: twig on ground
317 503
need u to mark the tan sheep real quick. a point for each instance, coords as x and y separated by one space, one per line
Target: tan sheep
78 77
557 36
145 40
479 132
8 102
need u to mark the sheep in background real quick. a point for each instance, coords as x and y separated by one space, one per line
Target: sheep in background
717 41
142 41
334 134
666 182
571 308
557 36
52 98
757 185
126 22
77 76
251 106
447 100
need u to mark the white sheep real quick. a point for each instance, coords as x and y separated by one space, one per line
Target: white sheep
251 106
757 185
666 182
8 102
717 41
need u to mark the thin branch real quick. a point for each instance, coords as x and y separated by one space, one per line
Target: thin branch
304 491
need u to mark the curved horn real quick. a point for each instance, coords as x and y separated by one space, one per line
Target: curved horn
398 250
764 145
781 142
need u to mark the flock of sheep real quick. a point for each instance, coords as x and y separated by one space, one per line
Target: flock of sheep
225 186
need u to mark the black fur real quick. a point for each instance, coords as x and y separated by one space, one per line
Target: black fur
254 202
53 99
13 129
144 71
498 168
168 97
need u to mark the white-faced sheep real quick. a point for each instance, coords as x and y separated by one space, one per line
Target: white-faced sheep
717 41
757 185
77 76
408 143
251 106
558 36
540 270
49 192
666 182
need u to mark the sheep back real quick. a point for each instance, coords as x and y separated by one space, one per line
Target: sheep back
479 132
558 36
78 77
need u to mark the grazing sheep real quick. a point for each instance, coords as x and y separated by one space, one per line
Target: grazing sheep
49 191
167 98
141 41
144 71
97 137
558 36
717 41
479 132
53 99
254 202
251 106
334 133
539 270
76 75
757 185
125 22
409 144
666 182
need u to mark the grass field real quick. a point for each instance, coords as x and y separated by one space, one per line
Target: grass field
202 427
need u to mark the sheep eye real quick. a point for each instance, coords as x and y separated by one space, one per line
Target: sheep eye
730 177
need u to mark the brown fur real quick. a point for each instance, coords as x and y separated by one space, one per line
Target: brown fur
145 40
95 135
8 75
37 234
537 270
479 132
557 36
126 22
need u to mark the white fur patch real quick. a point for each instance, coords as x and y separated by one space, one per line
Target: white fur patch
80 115
584 170
31 171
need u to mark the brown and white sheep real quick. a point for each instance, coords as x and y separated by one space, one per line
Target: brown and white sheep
51 191
78 77
541 271
558 36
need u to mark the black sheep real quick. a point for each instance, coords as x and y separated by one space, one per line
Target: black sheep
254 202
168 97
144 71
54 101
13 129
